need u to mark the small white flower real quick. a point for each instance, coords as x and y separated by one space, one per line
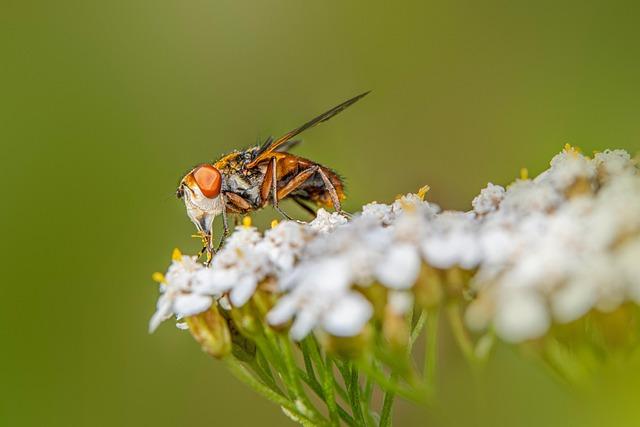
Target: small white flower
568 167
413 202
497 244
239 266
320 296
179 293
243 236
452 240
399 267
612 163
521 316
326 222
348 316
380 212
489 199
525 197
573 300
284 243
400 302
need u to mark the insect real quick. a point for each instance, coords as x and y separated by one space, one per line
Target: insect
248 180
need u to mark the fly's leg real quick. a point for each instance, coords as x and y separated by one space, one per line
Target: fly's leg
225 225
207 248
333 194
299 179
274 189
304 206
235 203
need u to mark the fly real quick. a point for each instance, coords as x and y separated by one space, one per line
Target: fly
245 181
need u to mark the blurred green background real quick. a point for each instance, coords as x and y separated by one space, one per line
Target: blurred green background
103 105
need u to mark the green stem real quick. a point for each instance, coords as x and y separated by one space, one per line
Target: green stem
306 354
368 393
262 361
354 396
265 377
271 354
415 333
387 405
294 378
324 366
317 388
241 373
460 333
328 388
420 394
431 349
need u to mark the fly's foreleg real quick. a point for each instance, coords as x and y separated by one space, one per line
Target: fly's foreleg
225 225
233 203
207 248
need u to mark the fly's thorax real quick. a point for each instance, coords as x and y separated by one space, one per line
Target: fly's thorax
245 183
236 162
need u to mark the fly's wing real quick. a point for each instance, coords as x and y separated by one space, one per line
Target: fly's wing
276 145
288 145
283 148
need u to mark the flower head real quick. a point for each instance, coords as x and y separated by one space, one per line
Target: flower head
183 291
239 266
321 297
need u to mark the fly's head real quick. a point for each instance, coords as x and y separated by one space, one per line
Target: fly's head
201 191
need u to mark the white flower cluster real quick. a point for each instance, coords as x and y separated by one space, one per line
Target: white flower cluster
184 291
558 246
542 250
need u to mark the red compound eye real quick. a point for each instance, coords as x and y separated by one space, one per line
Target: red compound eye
208 179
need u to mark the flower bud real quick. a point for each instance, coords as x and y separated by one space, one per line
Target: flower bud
211 330
395 330
428 289
245 319
347 347
457 281
377 296
617 329
242 347
264 299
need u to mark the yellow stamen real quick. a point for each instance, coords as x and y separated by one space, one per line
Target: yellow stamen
158 277
524 173
176 255
407 207
274 223
246 221
569 149
423 191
